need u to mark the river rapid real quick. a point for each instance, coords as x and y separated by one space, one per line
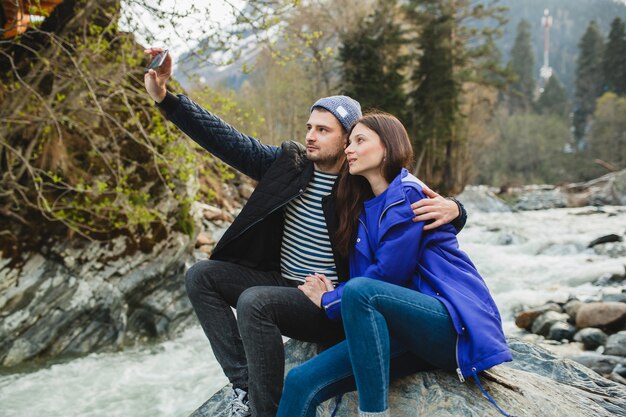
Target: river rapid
526 258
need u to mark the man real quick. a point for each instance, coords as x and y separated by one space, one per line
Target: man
283 234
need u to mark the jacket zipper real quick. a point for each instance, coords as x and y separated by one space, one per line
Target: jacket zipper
458 369
380 220
364 227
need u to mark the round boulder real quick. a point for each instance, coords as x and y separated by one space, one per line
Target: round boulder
602 364
591 338
561 331
525 319
601 314
616 344
544 322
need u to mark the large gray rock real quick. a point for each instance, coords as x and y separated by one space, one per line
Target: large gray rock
536 383
545 321
479 198
602 364
601 314
561 331
609 189
591 337
616 344
92 296
525 319
541 199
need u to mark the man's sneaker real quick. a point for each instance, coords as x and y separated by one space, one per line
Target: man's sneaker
239 405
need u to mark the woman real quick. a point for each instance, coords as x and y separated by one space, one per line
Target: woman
418 302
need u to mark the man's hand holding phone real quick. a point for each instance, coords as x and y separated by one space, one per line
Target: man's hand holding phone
157 73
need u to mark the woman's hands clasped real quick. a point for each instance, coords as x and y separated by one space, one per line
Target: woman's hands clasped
315 286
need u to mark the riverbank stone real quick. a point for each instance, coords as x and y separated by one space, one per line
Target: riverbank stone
591 338
616 344
479 198
525 319
571 309
542 199
561 331
545 321
601 315
602 364
605 239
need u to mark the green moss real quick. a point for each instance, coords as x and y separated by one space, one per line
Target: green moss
184 220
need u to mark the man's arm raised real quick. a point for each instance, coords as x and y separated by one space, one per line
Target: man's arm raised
244 153
156 81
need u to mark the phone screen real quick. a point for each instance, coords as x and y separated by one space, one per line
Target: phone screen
157 61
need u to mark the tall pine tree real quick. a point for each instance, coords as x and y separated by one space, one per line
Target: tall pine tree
372 61
614 62
553 100
588 80
435 100
522 64
452 54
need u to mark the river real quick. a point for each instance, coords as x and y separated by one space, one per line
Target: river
526 258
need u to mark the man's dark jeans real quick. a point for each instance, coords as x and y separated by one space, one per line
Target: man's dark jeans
250 348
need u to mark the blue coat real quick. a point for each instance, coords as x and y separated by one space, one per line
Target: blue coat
432 263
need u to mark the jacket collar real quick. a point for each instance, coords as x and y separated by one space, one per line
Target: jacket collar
395 192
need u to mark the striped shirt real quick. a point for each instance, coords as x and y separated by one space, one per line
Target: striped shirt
306 247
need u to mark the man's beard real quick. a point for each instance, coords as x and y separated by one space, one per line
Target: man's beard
326 159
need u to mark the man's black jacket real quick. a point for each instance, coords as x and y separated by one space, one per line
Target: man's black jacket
283 173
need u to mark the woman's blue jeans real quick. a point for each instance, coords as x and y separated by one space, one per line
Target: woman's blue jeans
391 331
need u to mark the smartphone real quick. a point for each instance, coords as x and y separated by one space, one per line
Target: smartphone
157 61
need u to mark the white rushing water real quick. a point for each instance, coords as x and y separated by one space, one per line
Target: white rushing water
526 258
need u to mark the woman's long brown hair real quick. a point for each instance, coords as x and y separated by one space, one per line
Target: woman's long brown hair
353 190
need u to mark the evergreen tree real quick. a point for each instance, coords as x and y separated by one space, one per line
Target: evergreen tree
452 54
614 62
588 80
435 100
372 61
553 100
522 65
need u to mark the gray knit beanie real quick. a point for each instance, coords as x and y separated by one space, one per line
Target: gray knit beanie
347 110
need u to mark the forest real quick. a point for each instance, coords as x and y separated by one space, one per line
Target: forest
84 152
464 76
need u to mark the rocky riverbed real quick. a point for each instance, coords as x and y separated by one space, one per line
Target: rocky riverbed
591 332
75 299
78 297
